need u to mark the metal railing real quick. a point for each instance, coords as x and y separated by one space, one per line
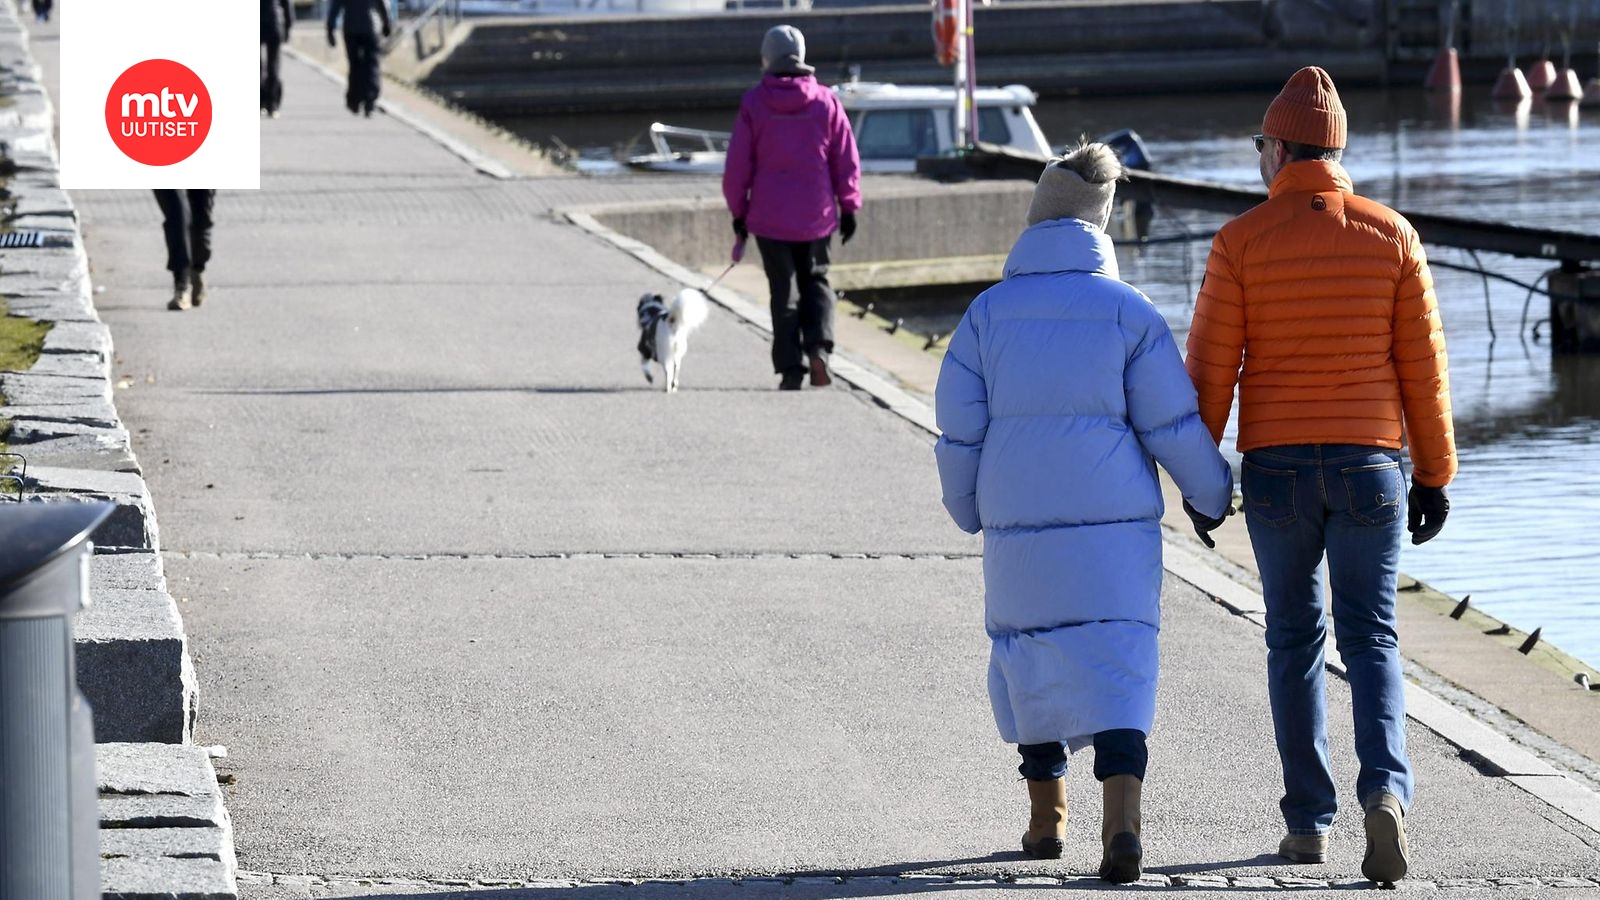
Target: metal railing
662 138
444 15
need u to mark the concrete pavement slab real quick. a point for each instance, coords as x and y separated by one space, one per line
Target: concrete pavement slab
675 718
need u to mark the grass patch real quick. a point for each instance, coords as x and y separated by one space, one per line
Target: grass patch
21 341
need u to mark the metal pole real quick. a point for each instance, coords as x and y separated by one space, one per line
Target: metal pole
967 38
960 117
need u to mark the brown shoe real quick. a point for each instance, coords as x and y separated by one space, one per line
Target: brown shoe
1122 856
819 372
1388 856
180 298
1304 848
1046 836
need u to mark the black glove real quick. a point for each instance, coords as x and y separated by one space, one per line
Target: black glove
1426 509
847 227
739 230
386 29
331 41
1204 524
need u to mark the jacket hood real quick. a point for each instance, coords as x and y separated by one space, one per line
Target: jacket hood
1062 245
1311 175
789 93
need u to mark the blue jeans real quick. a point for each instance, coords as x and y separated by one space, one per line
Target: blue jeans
1120 751
1349 501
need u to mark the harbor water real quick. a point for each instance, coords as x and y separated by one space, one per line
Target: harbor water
1521 537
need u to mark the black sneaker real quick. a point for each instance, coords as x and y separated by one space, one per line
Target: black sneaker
792 380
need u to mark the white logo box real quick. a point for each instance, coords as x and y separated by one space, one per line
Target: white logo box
220 40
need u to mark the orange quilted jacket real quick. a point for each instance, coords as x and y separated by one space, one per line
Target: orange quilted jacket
1326 301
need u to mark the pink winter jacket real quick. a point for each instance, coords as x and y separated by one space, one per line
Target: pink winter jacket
791 160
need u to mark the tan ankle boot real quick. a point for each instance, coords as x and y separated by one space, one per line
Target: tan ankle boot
1123 855
1046 836
1388 856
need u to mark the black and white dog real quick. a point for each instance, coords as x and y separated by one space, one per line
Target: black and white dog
664 330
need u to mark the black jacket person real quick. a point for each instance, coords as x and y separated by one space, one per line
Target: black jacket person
276 19
364 21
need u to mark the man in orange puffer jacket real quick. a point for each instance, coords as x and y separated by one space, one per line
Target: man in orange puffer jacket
1325 299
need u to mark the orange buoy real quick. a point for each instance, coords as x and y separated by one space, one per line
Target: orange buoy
1445 74
1542 75
946 30
1511 85
1565 87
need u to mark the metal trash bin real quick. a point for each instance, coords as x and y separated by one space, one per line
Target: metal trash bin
49 821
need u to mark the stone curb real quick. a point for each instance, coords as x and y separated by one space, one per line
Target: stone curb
1477 741
164 831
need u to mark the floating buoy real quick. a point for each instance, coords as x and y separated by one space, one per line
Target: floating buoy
1565 87
1542 74
1445 74
1511 85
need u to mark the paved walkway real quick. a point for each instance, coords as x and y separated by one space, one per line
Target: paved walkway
470 604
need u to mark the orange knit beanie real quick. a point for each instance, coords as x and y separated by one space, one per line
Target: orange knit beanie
1307 111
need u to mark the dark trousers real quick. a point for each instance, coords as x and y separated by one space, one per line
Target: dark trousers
365 78
1121 751
271 84
186 220
804 324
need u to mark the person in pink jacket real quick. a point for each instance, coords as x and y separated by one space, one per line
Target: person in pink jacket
793 178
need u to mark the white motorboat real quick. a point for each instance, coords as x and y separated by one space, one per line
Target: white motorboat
894 125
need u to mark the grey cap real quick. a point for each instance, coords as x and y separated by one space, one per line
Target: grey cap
783 51
1080 185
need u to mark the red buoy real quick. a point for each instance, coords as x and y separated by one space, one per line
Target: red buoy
1542 75
1511 85
1565 87
1445 74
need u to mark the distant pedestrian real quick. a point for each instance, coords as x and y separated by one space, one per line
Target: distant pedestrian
277 17
186 221
1325 300
364 22
41 10
793 177
1061 389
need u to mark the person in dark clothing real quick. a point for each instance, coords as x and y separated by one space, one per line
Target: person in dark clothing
364 21
186 220
276 20
41 10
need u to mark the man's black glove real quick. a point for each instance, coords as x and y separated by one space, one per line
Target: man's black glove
739 230
331 41
386 29
1426 509
847 227
1204 524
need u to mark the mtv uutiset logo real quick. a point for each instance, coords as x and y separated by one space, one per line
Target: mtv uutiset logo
158 112
160 94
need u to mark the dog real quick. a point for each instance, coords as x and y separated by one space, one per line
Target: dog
664 330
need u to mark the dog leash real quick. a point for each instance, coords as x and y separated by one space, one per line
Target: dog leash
719 278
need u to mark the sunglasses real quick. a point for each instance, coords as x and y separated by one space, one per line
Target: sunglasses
1260 142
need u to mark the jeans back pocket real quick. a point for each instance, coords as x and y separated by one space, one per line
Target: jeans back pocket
1268 494
1374 491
